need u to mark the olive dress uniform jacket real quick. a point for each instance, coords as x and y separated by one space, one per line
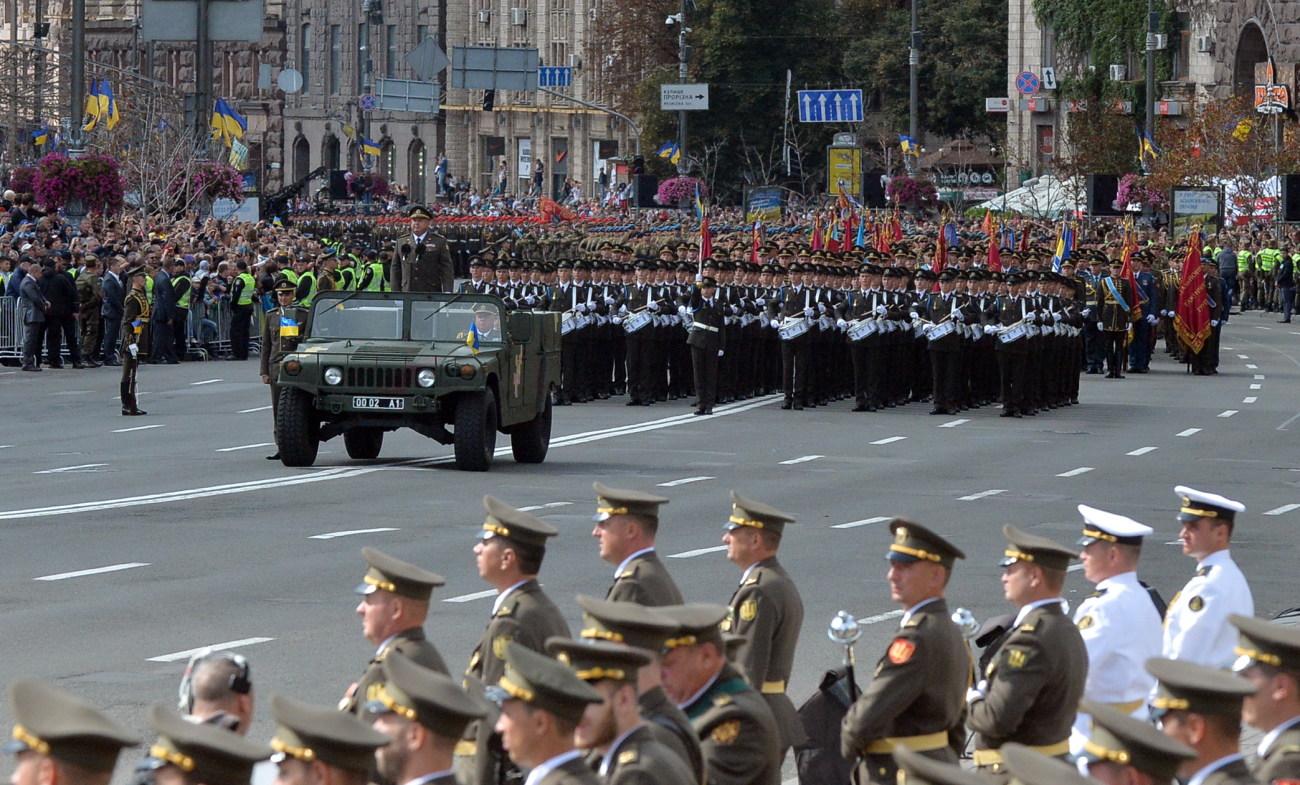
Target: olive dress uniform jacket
918 690
1280 762
640 759
411 643
136 309
1034 684
571 772
737 732
423 265
276 342
767 611
645 581
1234 772
672 728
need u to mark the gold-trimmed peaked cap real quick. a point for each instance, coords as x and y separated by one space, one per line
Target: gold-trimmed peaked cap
628 623
394 575
1102 526
696 623
51 721
544 682
1119 738
418 211
915 768
746 512
1030 767
913 542
425 696
1200 689
1265 643
598 660
505 521
1023 546
206 753
618 501
318 733
1200 504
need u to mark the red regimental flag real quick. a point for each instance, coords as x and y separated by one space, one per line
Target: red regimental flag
1192 316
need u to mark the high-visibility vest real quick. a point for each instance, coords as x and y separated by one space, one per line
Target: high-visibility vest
250 288
292 275
1243 261
186 287
347 279
376 282
1268 258
311 292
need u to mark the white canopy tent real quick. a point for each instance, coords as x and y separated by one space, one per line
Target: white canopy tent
1041 197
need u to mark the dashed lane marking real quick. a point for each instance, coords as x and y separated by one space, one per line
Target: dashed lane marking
185 655
478 595
801 459
981 495
547 506
856 524
1142 451
697 552
955 423
1284 509
889 440
1076 472
350 532
139 428
206 381
1188 432
244 447
83 468
1227 412
684 481
63 576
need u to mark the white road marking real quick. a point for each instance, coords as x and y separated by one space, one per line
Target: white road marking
1074 568
1295 333
85 467
889 440
1261 327
140 428
1259 376
981 495
255 409
1227 412
684 481
1242 357
244 447
1249 399
478 595
1252 367
185 655
1283 509
955 423
1257 387
1188 432
547 506
350 532
855 524
206 381
1076 472
879 617
697 552
1289 420
5 446
803 459
1142 451
1174 542
61 576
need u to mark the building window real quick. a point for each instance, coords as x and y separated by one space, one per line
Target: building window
1048 53
363 56
301 158
336 60
390 51
416 170
388 159
304 57
330 152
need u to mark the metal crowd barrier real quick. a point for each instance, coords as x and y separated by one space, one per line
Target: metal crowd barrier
11 329
208 329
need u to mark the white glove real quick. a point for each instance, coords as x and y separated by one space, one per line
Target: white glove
989 329
926 328
760 302
681 309
582 308
841 324
531 300
810 313
882 310
1056 316
821 307
1214 322
134 350
719 352
734 310
1087 312
1031 317
1152 319
775 324
653 307
958 316
616 319
978 692
609 300
914 315
1101 325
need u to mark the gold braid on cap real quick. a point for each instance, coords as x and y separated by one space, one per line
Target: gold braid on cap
496 528
36 743
516 691
685 640
1114 756
380 584
1021 555
390 703
605 510
604 635
595 674
917 552
1261 656
1190 510
182 762
1098 534
740 520
1171 704
301 753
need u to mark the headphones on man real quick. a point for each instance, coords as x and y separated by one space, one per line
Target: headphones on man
240 681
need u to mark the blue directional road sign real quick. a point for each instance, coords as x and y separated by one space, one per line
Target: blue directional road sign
830 106
554 76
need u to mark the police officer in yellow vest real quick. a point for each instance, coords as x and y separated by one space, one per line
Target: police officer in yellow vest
242 292
282 328
183 287
372 276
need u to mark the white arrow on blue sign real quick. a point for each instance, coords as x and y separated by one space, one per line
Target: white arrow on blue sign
554 76
830 106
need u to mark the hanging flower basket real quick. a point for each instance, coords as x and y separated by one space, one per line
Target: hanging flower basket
209 181
93 180
22 180
368 183
1134 190
912 193
677 191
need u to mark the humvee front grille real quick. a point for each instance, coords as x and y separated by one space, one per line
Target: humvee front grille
380 377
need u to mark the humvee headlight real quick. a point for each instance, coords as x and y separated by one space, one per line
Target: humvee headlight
292 367
333 375
425 377
467 371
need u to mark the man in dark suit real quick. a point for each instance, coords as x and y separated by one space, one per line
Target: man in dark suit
61 317
707 342
423 260
33 305
163 348
111 309
626 523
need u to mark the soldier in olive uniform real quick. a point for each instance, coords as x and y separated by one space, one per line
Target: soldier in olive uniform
422 262
1031 689
1201 706
626 524
765 610
1114 308
1270 659
135 338
542 703
189 752
394 605
628 752
425 713
509 556
916 695
318 744
281 331
1120 746
58 737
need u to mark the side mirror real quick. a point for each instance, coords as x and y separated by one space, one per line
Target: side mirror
521 326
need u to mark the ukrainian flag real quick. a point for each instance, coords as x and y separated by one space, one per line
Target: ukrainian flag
909 145
368 147
226 122
671 151
1147 145
288 327
471 338
108 105
41 137
92 106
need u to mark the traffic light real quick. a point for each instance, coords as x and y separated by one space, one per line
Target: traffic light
489 99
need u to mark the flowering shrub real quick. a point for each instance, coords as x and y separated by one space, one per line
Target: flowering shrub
22 179
94 179
1133 189
366 183
678 189
209 181
911 192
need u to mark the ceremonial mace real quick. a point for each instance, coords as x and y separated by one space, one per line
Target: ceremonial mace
845 629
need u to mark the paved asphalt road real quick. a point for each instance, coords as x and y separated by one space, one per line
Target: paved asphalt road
209 543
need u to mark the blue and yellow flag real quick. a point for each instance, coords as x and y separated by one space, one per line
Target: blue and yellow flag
368 147
41 137
92 106
1147 146
226 122
909 145
108 105
671 151
277 223
1064 245
288 327
471 338
699 205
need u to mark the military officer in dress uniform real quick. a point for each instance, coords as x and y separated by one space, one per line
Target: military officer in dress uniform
1270 659
1196 623
58 737
626 524
425 713
765 610
281 331
190 753
641 628
394 605
509 556
738 734
135 337
422 262
315 744
1114 310
542 703
1200 706
1119 622
628 752
1031 689
708 341
916 694
1124 750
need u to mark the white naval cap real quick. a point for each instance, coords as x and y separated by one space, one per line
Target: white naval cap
1099 525
1199 504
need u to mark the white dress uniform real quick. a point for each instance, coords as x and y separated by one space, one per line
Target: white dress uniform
1120 627
1196 624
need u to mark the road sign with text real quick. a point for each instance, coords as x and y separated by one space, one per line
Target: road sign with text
830 106
683 97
